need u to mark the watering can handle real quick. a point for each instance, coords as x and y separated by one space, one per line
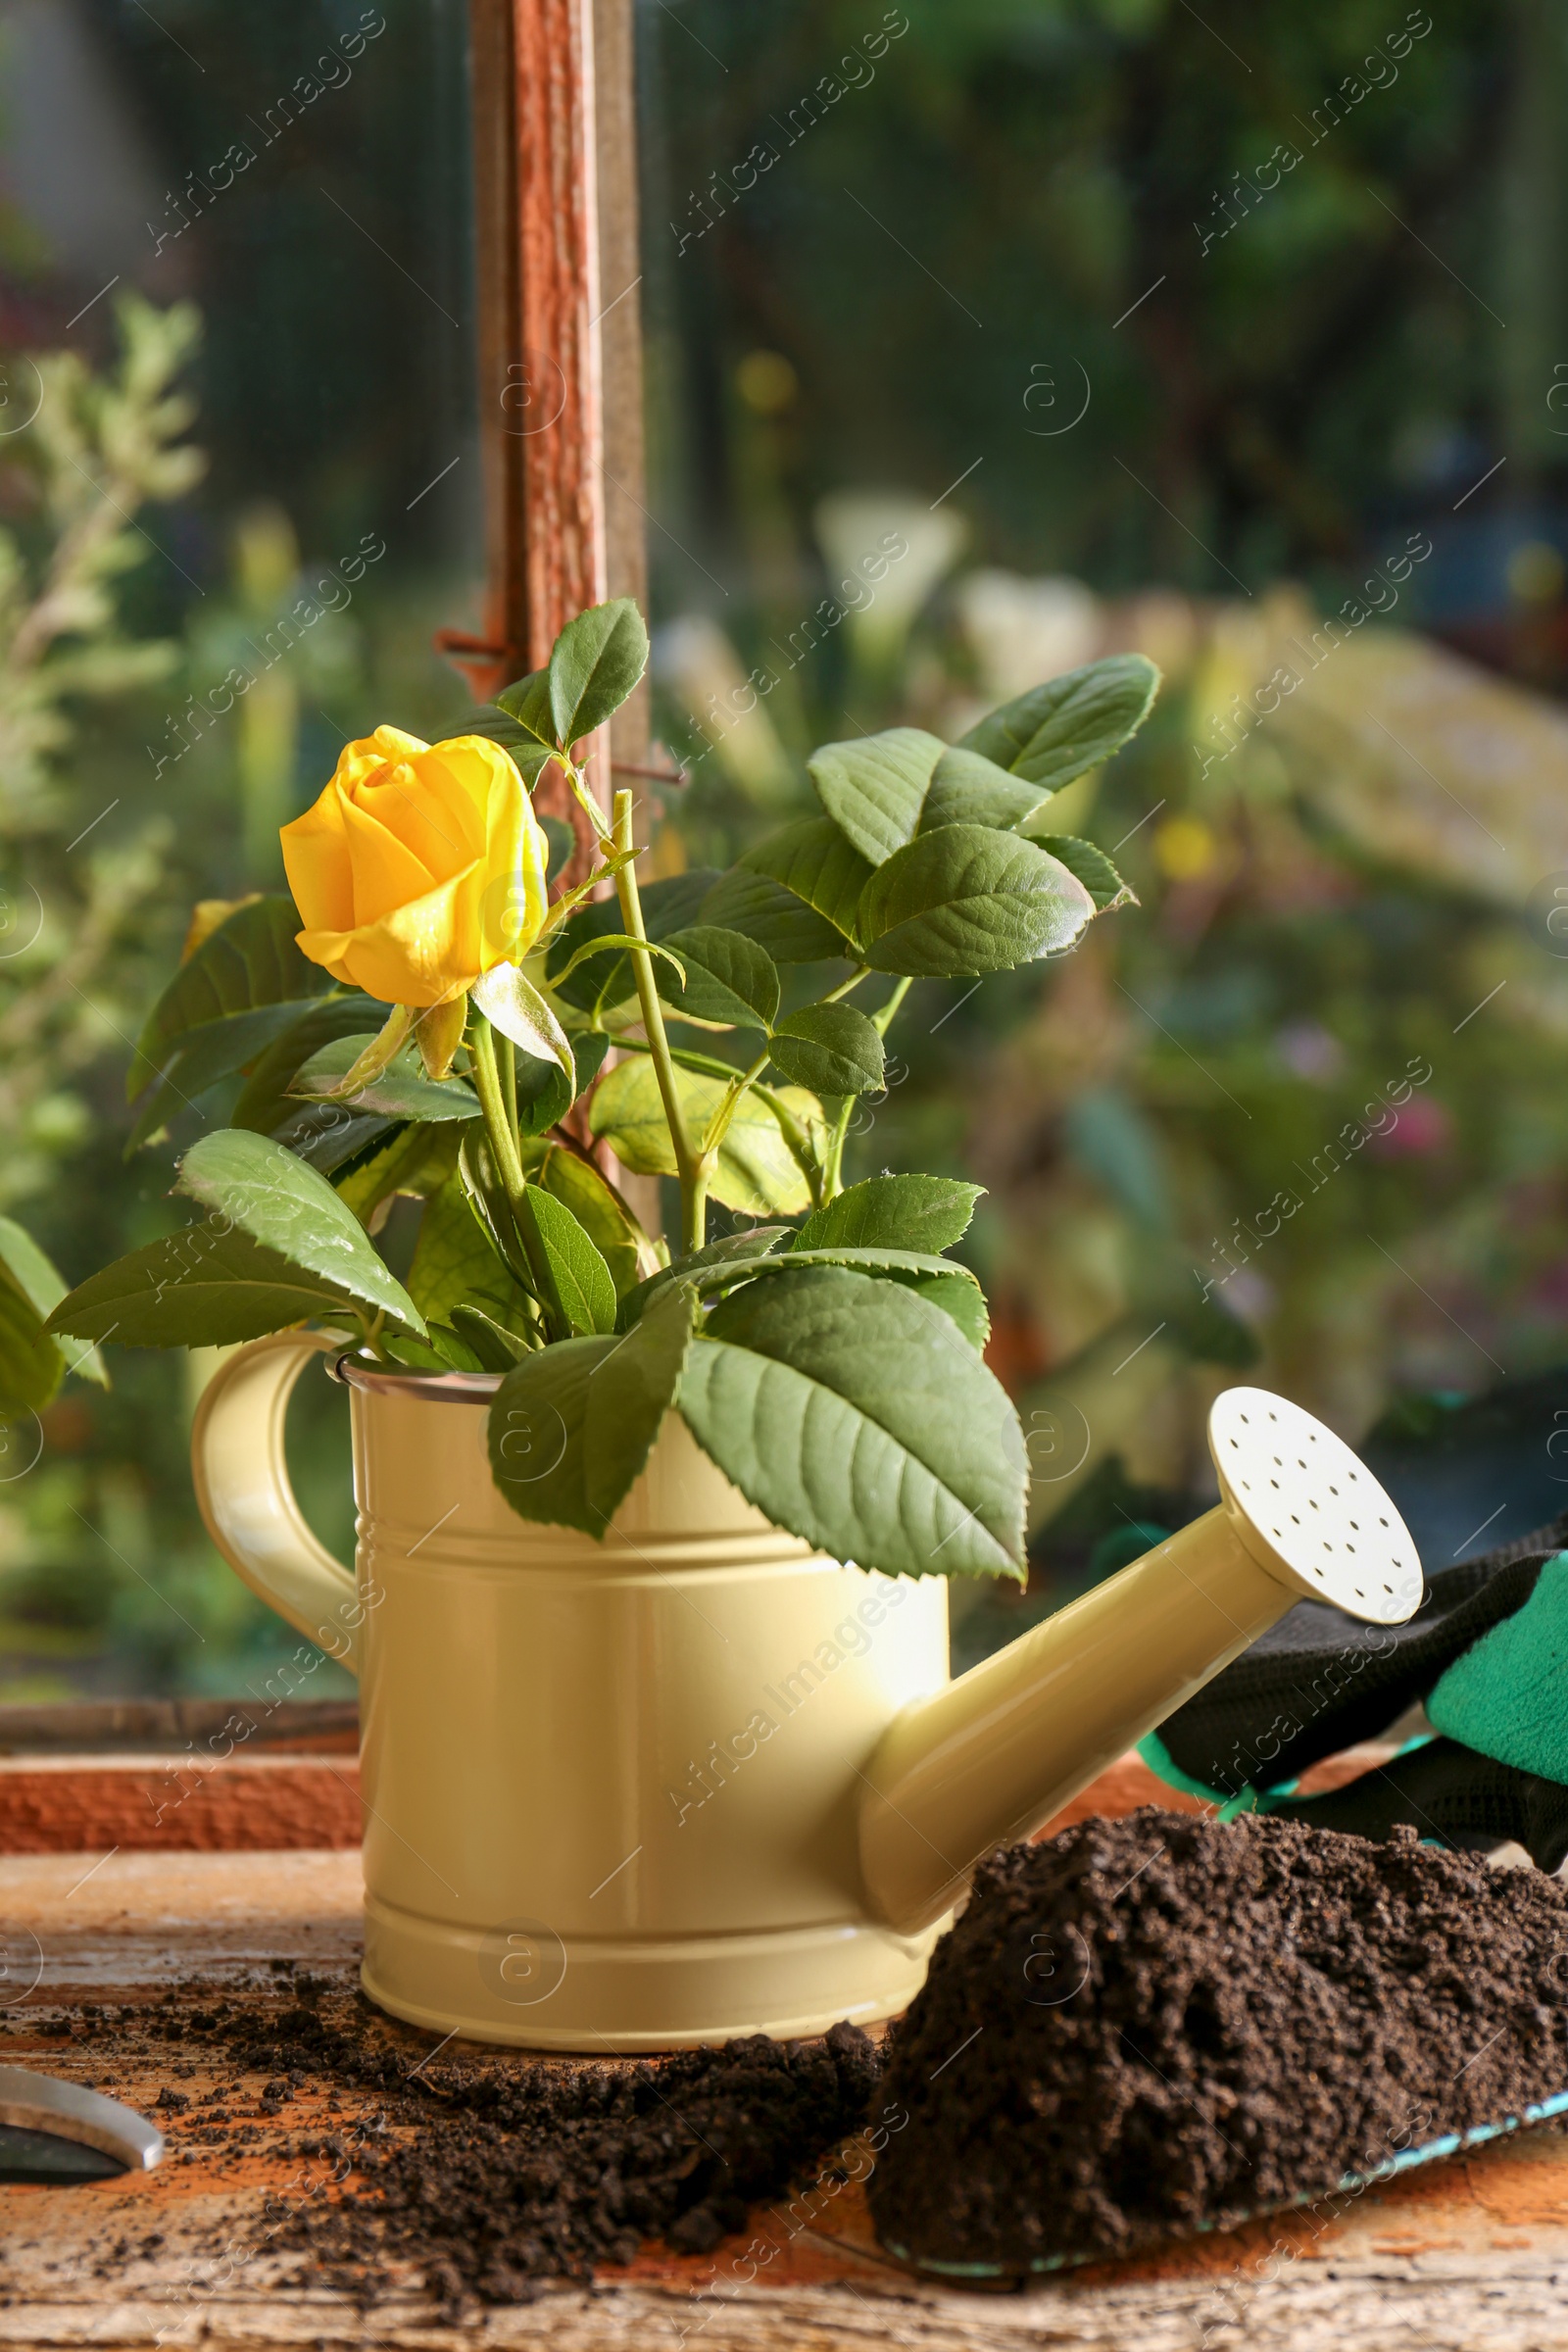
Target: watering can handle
242 1486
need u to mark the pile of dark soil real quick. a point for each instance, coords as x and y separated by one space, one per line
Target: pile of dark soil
1151 2025
521 2169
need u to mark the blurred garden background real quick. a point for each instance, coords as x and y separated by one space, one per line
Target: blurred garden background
1237 338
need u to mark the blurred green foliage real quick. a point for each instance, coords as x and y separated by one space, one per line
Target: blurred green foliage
1135 313
978 211
332 377
945 249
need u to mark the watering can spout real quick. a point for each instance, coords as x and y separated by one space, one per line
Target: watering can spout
991 1758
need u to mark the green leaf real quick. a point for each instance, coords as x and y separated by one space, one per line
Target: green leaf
266 1103
526 701
815 861
765 910
874 786
831 1048
967 900
399 1093
735 1245
31 1366
446 1352
207 1286
456 1263
884 791
289 1209
588 1049
905 1213
596 1209
516 1234
756 1172
572 1428
544 1091
481 1181
612 940
250 960
585 1292
727 978
560 839
1093 868
959 1295
493 1348
375 1054
904 1265
511 1003
413 1161
594 664
667 906
851 1412
329 1138
967 789
530 755
203 1057
1060 730
34 1277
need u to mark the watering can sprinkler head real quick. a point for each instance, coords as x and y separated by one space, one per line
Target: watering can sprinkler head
1309 1511
993 1756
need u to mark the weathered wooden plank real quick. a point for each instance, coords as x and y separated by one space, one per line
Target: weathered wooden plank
1470 2255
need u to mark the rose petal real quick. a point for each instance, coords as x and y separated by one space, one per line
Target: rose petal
386 872
414 801
415 953
464 773
316 859
419 867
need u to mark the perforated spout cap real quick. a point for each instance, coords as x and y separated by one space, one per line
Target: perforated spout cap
1310 1512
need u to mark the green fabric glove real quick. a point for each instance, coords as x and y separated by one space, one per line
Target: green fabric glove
1507 1696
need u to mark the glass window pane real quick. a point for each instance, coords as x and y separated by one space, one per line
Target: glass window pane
984 341
272 209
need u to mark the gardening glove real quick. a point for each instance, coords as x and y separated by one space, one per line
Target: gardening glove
1486 1653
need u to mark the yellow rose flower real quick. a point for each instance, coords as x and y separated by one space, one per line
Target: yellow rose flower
419 867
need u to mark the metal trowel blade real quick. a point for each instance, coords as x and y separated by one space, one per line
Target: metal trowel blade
1351 2185
55 2130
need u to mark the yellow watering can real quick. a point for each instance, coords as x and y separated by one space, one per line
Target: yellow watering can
697 1779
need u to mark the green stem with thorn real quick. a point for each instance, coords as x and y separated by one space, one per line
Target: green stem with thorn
689 1163
508 1156
833 1170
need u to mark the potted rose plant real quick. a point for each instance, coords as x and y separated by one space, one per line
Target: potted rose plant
427 1018
585 1454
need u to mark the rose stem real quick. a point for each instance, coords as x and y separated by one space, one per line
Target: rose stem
881 1021
508 1163
506 1071
693 1175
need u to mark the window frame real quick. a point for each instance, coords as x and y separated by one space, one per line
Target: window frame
560 336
